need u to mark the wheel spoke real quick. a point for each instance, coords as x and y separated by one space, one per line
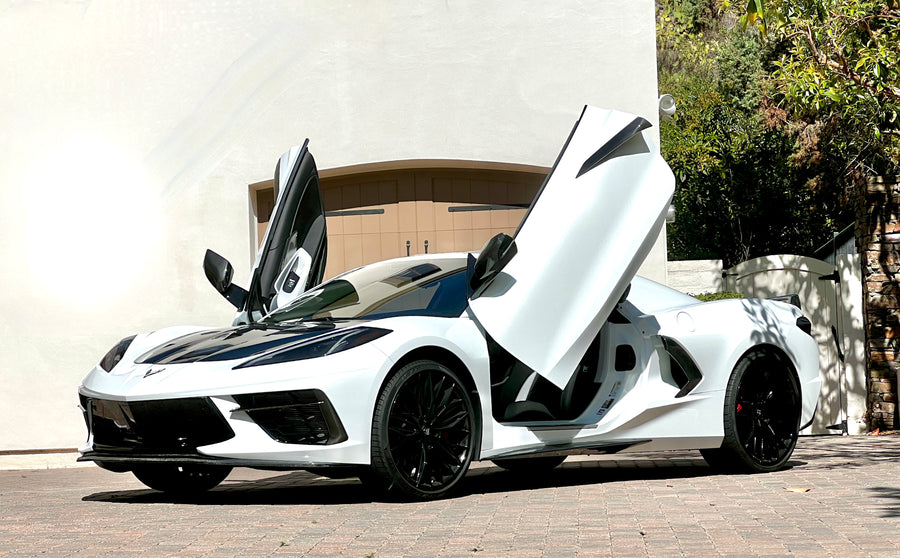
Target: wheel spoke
416 393
445 395
404 424
438 390
452 458
402 441
750 440
427 385
450 420
419 471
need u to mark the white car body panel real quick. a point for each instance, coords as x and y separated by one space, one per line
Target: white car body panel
549 302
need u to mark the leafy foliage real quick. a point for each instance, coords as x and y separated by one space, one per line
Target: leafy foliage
709 297
838 73
744 182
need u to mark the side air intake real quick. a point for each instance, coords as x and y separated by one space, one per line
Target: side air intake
294 417
684 371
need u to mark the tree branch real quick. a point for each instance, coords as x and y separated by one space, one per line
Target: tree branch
844 70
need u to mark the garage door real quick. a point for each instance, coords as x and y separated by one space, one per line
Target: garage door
386 214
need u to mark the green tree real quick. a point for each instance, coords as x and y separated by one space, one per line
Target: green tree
839 72
743 178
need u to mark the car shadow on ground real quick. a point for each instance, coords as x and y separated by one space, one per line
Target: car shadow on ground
301 487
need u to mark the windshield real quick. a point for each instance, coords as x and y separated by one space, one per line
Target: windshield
385 289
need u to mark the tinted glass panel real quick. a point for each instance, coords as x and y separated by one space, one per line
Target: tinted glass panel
373 292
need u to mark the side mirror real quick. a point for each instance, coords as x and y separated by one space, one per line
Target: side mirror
219 272
496 253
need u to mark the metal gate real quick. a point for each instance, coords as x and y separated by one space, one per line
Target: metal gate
831 295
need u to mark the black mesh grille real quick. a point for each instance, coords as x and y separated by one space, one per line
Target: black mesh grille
294 417
167 426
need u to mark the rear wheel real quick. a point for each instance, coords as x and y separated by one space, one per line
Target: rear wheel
181 479
761 416
526 464
423 432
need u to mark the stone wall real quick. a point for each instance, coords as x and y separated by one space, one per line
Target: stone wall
878 237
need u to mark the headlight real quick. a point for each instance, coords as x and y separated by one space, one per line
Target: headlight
319 346
112 358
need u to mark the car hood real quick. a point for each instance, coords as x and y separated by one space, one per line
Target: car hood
237 343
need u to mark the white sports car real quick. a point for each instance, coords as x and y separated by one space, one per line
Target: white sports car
405 371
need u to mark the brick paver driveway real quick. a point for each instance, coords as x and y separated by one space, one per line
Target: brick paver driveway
841 497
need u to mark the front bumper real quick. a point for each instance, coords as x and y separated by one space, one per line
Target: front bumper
184 430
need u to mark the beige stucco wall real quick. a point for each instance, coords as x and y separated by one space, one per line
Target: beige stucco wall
132 129
695 276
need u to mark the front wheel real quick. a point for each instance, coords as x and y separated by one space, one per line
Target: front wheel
761 417
181 479
424 432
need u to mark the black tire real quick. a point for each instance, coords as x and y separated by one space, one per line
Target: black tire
530 464
761 416
181 479
424 432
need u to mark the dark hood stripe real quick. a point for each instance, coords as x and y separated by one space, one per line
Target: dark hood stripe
234 343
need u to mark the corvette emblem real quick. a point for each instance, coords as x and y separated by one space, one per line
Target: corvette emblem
152 371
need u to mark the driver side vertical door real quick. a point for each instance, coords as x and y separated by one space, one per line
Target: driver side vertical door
291 258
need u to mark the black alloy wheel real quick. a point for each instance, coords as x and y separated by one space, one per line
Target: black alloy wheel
181 479
424 432
761 417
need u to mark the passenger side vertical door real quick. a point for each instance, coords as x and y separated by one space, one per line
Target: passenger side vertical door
586 233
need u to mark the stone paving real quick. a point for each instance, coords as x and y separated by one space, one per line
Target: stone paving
840 497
